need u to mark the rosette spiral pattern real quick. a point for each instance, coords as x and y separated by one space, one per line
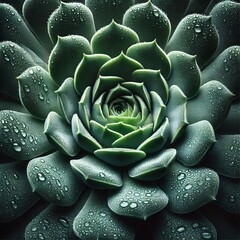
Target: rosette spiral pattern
119 119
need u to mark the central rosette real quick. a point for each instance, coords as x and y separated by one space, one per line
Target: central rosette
122 116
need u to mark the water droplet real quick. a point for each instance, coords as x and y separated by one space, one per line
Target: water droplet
34 228
102 214
197 28
40 96
188 186
133 205
102 175
195 225
181 176
41 236
156 13
41 177
30 71
207 235
14 204
87 224
45 88
6 58
124 204
26 88
181 229
58 183
64 222
17 147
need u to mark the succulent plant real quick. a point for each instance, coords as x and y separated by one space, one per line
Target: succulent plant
119 119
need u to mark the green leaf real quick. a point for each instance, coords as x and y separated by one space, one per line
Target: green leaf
224 156
16 195
154 166
151 56
52 178
176 112
116 92
68 99
153 81
10 104
120 127
157 140
97 111
149 22
60 135
120 37
228 197
138 200
111 9
22 135
120 66
36 13
194 224
194 143
185 73
82 136
13 28
135 138
119 156
71 18
66 55
189 188
37 92
95 173
211 104
195 35
225 69
103 134
87 71
97 221
13 61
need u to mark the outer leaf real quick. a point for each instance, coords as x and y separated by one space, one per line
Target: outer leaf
52 178
149 22
151 56
16 195
66 55
183 63
22 135
189 189
195 142
95 173
13 61
37 92
211 104
71 18
97 221
138 200
154 166
167 225
120 37
224 156
195 35
60 135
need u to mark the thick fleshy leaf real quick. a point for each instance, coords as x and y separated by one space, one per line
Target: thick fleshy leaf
121 127
119 156
66 55
195 35
194 143
52 178
153 81
211 104
120 37
225 69
13 61
185 73
111 9
157 140
84 139
225 16
97 113
151 56
120 66
96 174
36 13
37 92
71 18
87 71
138 200
97 221
55 222
60 135
224 156
228 197
176 112
16 195
149 22
167 225
13 28
22 135
189 188
68 99
154 166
